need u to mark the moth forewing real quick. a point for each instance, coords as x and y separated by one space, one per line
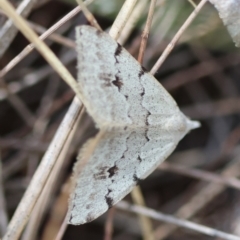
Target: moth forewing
229 11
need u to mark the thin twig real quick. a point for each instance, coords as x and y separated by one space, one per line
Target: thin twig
31 46
146 225
221 80
192 3
200 70
40 45
62 228
231 142
37 133
8 31
89 16
28 201
109 224
199 200
146 31
46 194
122 18
33 78
14 164
213 109
54 36
132 21
176 221
18 104
172 44
200 174
3 210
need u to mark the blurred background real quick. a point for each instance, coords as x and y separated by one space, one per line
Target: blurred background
202 74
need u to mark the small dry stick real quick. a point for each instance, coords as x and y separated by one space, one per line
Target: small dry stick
62 229
176 221
33 77
31 46
146 31
122 18
231 142
200 70
56 170
193 3
89 16
200 174
43 201
109 224
67 42
146 224
56 225
28 201
132 21
18 104
199 200
8 31
212 109
3 212
172 44
40 45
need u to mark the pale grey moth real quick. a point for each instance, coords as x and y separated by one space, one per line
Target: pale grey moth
140 125
229 11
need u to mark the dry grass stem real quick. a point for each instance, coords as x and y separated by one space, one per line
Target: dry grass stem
46 195
146 225
20 107
31 46
54 36
40 45
211 109
193 3
62 229
176 221
89 16
173 42
201 175
200 200
3 210
9 31
40 177
109 224
33 78
132 21
201 70
146 31
121 19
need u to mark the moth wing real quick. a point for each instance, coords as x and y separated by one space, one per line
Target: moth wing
97 73
115 89
230 14
118 162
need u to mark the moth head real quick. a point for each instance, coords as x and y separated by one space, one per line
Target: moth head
181 124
